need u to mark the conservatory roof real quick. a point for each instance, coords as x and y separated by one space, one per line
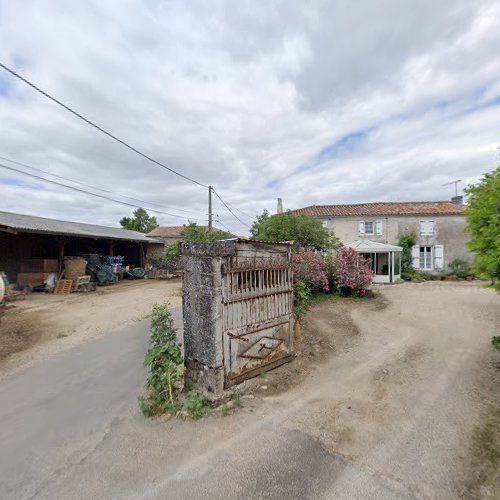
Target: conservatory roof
368 246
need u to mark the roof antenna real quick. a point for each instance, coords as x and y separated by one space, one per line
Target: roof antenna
456 185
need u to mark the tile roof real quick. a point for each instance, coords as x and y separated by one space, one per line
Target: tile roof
383 208
173 231
32 224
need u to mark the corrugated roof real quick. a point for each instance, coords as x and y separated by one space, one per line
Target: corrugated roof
174 231
384 208
32 224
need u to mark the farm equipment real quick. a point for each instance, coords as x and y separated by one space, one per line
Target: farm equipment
102 273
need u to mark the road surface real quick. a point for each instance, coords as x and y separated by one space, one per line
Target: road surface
391 414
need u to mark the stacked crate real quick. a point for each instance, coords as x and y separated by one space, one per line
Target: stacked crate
74 267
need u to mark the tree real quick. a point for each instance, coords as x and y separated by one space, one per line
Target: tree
406 241
483 225
192 232
301 229
141 222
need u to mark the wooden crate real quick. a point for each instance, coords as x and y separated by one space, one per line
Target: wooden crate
63 287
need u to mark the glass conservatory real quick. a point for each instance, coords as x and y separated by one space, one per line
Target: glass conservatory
383 259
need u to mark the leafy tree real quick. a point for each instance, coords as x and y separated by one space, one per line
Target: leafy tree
483 225
301 229
141 222
407 241
192 232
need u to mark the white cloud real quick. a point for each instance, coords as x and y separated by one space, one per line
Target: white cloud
246 96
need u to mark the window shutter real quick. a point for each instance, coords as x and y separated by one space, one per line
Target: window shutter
426 227
361 227
439 256
415 256
379 227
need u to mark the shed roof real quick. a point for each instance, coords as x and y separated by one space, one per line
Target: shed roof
383 208
368 246
174 231
31 224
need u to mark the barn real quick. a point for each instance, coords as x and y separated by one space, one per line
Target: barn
26 237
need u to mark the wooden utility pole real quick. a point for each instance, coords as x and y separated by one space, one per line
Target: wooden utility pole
209 209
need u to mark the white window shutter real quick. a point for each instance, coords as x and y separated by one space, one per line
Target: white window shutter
415 256
439 256
426 227
361 227
379 227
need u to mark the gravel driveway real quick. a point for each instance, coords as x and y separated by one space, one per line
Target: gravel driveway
406 405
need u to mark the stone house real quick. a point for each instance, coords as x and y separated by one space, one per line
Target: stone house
439 227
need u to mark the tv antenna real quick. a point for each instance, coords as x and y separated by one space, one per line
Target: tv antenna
456 185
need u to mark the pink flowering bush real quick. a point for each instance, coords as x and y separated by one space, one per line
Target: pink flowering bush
309 267
350 270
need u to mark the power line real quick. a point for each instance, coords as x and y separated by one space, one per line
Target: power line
92 194
225 204
92 124
218 221
241 212
117 139
92 187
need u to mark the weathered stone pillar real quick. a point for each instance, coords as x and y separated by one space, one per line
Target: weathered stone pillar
202 310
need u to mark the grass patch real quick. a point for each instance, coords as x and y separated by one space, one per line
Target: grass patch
319 297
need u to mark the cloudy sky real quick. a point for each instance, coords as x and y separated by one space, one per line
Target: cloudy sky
317 102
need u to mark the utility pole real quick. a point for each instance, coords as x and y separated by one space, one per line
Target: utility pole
209 209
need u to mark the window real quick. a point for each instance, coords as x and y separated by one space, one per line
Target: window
426 227
425 258
368 227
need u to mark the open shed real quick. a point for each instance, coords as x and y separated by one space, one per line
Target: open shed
24 237
383 259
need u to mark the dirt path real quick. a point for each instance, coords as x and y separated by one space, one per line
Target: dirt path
395 398
44 324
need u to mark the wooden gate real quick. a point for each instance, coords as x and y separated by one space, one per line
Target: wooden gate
257 315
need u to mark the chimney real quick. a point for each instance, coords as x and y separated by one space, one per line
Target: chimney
280 206
458 200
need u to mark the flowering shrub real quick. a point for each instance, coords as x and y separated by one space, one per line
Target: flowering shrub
308 267
351 270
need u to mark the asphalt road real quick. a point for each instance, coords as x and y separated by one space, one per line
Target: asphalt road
53 414
388 416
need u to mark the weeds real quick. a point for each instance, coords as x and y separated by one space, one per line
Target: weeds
194 405
166 366
226 409
495 340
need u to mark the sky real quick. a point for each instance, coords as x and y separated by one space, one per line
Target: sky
319 102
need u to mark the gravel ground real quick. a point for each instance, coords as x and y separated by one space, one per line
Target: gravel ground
45 324
398 399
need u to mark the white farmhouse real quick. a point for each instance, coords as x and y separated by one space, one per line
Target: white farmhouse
438 225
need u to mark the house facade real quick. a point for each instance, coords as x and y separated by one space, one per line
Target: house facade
439 227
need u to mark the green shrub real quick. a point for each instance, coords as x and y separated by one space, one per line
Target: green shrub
172 252
302 297
459 268
406 242
495 340
165 363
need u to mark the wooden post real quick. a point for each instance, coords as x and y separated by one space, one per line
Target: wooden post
110 253
62 243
